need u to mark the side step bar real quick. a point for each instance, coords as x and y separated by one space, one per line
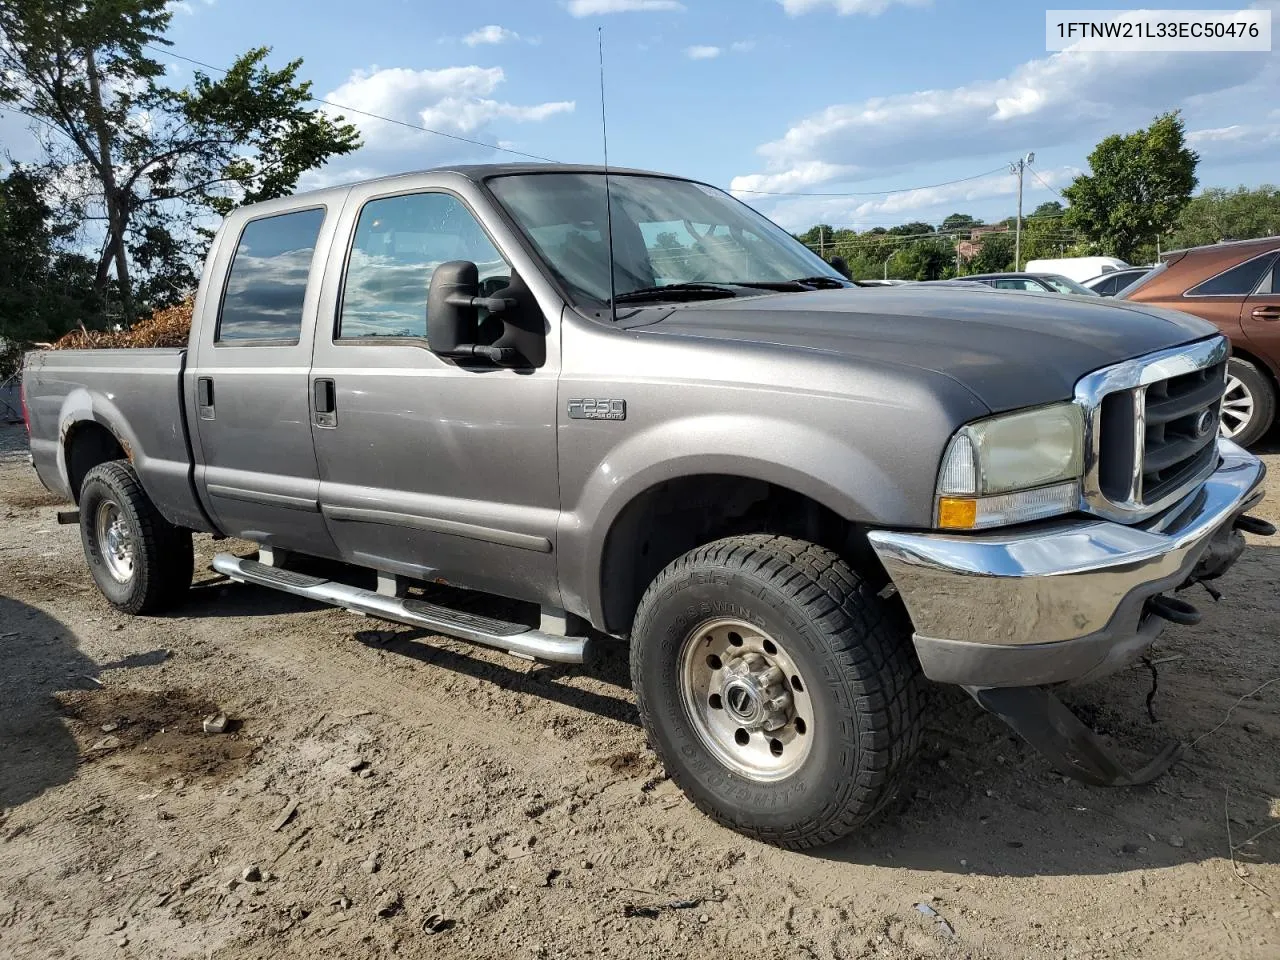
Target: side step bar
514 638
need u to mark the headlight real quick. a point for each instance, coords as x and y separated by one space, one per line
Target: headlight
1012 468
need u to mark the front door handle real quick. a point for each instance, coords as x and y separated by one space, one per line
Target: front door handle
324 399
1266 313
204 398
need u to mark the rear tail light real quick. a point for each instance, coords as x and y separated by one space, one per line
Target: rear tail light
22 401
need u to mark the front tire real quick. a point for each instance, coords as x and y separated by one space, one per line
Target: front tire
140 561
780 692
1249 403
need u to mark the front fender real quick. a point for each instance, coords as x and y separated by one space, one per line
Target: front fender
798 457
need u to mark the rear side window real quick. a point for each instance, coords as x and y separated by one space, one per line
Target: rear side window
1106 287
1237 282
267 282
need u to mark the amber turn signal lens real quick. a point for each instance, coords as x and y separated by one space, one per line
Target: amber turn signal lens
956 513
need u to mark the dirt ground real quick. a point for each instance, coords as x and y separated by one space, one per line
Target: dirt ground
385 793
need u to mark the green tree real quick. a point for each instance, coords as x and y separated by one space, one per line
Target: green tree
45 289
926 260
151 162
1219 214
1047 210
959 222
995 255
1138 185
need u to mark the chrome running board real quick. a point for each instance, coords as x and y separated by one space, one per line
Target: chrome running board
514 638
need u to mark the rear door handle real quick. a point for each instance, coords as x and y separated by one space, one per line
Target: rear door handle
204 398
1266 313
324 402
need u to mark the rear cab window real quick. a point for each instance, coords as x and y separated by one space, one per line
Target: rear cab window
267 282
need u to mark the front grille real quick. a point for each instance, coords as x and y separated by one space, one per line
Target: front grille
1181 416
1152 426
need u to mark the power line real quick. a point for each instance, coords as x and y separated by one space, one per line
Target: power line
366 113
1048 185
870 193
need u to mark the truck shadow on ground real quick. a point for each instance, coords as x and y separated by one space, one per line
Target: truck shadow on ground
40 658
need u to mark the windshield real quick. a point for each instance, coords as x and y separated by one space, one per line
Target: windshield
1066 285
664 232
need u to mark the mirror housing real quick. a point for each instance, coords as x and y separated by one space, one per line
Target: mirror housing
842 266
453 307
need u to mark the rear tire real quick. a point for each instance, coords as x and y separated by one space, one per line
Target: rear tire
773 621
1249 406
140 561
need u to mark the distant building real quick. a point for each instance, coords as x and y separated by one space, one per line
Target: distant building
969 248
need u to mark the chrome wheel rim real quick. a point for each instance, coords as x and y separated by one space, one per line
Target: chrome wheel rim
746 699
1237 408
115 541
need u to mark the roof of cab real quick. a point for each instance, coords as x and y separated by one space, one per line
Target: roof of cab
484 171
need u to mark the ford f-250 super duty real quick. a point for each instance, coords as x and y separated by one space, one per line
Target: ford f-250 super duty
638 406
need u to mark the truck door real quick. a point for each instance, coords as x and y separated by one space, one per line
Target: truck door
256 466
429 467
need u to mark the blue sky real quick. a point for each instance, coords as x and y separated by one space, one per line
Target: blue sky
778 95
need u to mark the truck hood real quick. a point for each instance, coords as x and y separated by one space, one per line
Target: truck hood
1011 349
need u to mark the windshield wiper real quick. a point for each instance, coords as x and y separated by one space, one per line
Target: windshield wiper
678 291
824 283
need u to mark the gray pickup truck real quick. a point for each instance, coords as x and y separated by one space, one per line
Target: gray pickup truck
643 411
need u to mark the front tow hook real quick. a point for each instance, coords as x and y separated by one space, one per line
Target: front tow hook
1174 610
1256 526
1045 722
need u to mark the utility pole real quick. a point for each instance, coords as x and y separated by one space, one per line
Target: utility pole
822 242
886 264
1019 167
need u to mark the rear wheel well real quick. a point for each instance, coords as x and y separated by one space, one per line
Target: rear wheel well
671 518
87 445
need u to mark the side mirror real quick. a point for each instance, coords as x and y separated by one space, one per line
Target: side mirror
842 266
453 307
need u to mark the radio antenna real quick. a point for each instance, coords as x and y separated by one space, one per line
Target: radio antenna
608 198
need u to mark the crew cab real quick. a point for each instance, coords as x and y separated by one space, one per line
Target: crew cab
638 408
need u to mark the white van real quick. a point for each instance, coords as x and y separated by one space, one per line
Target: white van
1078 269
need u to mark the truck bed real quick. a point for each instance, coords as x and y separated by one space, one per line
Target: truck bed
136 395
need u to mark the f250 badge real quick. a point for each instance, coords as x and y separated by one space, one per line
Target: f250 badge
586 409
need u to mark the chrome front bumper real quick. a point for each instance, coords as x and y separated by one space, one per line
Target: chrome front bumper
1062 600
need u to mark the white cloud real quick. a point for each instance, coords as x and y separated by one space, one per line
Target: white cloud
928 203
490 34
455 100
591 8
1237 143
742 46
701 52
1066 97
846 7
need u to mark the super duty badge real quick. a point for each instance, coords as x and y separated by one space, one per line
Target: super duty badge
597 409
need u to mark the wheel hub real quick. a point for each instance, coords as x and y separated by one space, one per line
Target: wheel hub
115 542
746 699
753 693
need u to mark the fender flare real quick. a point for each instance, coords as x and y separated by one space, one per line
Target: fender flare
794 456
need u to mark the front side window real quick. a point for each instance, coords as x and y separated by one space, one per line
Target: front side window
398 244
665 232
267 283
1237 282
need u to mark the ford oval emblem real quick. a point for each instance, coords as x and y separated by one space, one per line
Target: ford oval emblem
1204 423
